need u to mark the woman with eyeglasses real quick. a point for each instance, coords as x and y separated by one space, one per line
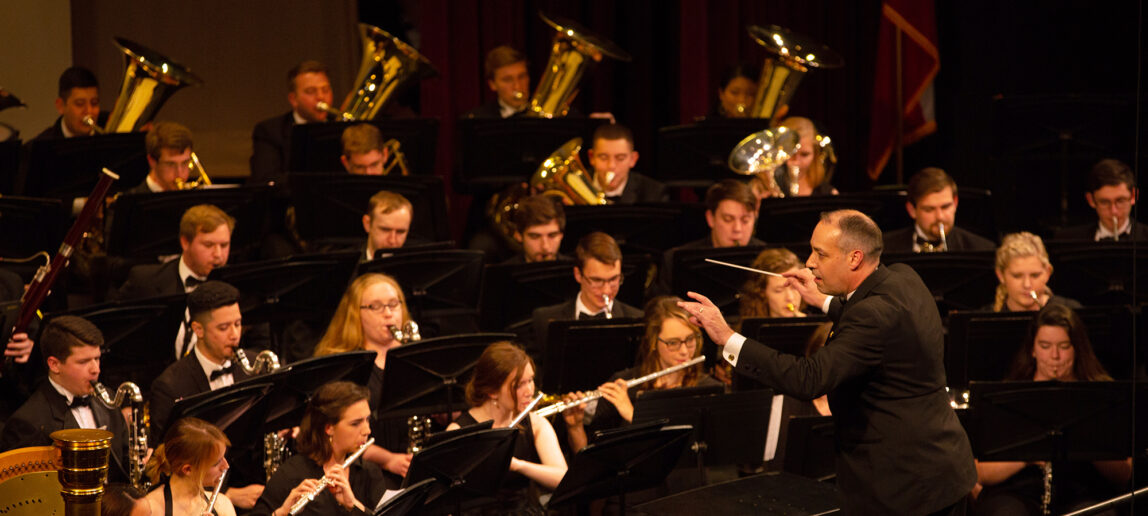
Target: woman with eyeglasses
373 303
670 339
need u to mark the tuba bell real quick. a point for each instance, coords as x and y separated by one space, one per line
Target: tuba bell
572 53
149 80
388 66
793 55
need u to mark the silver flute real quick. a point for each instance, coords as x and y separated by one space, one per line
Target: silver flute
323 482
555 408
215 493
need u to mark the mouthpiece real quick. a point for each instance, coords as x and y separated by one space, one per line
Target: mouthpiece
609 306
1115 229
1035 298
518 95
944 241
88 121
790 307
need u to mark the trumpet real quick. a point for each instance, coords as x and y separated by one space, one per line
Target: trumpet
560 406
306 499
128 393
215 493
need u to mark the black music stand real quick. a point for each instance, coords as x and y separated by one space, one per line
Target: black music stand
296 383
728 428
472 465
9 164
630 459
580 355
810 448
531 285
410 500
30 225
960 280
329 207
429 376
235 409
789 335
147 225
437 283
769 493
791 220
697 155
638 228
69 168
317 147
689 271
1100 273
495 153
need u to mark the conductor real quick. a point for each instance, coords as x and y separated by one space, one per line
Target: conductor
900 448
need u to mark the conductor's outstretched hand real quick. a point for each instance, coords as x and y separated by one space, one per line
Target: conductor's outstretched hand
707 315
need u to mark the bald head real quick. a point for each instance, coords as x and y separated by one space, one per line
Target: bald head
858 233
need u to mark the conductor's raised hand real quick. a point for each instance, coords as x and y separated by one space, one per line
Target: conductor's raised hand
803 281
707 315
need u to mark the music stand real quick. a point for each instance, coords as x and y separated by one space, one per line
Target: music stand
429 376
689 271
329 207
631 459
9 164
317 147
959 280
697 155
473 465
580 355
68 168
769 493
409 500
495 153
234 409
147 225
791 220
533 285
1100 273
296 383
437 283
638 228
29 225
810 448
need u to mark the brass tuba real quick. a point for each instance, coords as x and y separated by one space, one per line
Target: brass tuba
793 55
763 153
149 80
388 66
573 51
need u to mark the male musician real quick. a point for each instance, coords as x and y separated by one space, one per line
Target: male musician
612 157
79 97
205 236
933 203
71 347
307 85
539 222
363 151
900 448
169 147
387 223
218 326
1112 193
507 77
599 272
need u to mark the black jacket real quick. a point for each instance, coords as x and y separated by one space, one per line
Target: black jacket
536 340
182 379
957 239
641 189
270 145
1087 232
152 280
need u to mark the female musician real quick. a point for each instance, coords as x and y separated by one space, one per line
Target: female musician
191 458
670 339
767 296
500 388
1023 269
736 92
373 303
1056 349
813 174
335 426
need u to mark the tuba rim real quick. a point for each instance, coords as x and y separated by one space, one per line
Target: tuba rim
794 47
573 31
763 151
172 72
374 87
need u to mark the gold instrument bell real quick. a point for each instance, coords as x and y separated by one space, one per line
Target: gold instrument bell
781 73
574 50
562 174
149 80
388 65
762 153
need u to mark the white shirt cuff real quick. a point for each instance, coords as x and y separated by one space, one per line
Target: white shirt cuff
732 348
825 305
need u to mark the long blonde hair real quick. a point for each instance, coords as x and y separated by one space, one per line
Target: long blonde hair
345 333
1018 245
807 131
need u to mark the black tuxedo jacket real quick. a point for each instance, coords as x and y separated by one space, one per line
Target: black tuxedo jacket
536 340
152 280
46 411
270 144
55 132
1087 232
182 379
640 188
900 448
957 239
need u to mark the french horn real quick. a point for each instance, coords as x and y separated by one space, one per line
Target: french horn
574 50
792 56
149 80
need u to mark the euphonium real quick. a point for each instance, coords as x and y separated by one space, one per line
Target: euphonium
128 393
149 80
762 153
388 66
573 51
793 55
197 170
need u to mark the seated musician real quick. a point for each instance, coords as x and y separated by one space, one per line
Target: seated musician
736 92
500 388
372 304
387 223
169 147
186 468
71 347
932 204
79 98
507 77
810 159
670 339
336 425
1112 193
363 150
538 225
210 364
14 385
612 156
205 237
1023 269
1056 349
768 296
307 86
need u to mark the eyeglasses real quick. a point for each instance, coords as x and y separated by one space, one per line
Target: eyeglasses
378 307
691 342
1120 202
601 282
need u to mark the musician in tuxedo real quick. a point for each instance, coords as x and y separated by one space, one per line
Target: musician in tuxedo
71 347
507 77
539 223
169 146
205 237
900 448
933 203
307 85
1112 194
363 150
612 156
78 98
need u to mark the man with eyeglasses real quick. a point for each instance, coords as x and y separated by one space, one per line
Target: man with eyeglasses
599 272
1112 193
169 147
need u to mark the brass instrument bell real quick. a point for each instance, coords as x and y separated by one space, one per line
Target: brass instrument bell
574 50
563 174
792 56
149 80
388 65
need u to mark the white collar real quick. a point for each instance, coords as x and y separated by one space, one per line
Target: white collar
1103 232
67 134
60 389
580 308
298 119
153 186
506 111
207 365
184 272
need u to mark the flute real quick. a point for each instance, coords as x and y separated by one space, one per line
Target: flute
215 493
550 410
306 499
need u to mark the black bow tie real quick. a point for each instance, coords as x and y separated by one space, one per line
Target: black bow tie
582 316
229 369
192 281
922 242
79 401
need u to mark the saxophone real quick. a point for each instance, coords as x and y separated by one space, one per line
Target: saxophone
274 446
128 393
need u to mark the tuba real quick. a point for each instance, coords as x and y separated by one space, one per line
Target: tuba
149 80
128 394
763 154
388 66
573 51
793 55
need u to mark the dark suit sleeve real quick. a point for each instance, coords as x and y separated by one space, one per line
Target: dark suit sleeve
20 432
162 400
